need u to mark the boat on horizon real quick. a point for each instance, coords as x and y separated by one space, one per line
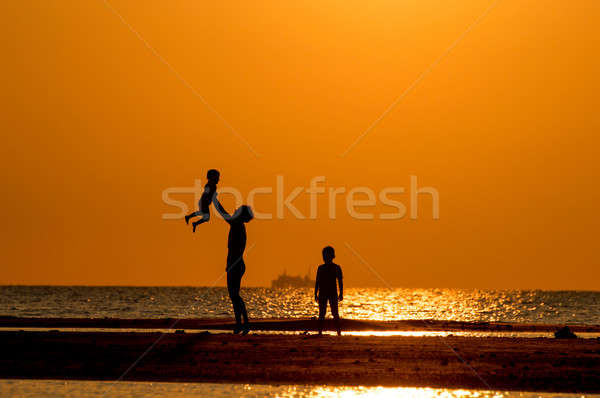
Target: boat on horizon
286 281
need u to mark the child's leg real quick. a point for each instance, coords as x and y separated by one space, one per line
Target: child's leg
205 218
322 312
333 303
194 214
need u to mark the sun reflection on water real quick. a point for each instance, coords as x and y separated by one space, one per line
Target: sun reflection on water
108 389
468 305
384 392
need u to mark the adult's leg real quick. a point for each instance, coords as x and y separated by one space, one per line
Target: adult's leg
233 287
235 270
333 302
242 305
322 312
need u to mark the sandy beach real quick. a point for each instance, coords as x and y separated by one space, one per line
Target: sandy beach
530 364
274 324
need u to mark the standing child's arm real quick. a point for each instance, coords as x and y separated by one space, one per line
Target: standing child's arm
340 279
317 287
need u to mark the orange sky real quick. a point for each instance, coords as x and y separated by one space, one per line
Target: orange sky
505 126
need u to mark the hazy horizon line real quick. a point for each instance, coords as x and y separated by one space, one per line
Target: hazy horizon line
268 287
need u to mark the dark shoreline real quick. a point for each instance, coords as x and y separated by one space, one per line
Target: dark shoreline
521 364
274 324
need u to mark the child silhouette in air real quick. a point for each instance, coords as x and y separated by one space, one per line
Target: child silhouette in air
205 200
326 289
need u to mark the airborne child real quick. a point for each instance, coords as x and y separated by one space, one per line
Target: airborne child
205 200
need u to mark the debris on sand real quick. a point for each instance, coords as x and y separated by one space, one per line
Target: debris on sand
565 333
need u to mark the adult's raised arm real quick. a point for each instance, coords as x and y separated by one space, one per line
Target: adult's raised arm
220 209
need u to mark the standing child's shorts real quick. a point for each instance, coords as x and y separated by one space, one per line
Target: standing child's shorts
333 303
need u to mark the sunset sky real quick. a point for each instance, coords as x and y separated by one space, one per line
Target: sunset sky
107 104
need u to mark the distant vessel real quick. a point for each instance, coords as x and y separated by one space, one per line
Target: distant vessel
284 281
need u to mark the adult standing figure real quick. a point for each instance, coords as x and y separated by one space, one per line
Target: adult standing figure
236 244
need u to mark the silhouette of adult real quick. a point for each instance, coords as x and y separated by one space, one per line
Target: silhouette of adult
236 244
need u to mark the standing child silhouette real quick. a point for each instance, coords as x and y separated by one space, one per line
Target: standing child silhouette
326 289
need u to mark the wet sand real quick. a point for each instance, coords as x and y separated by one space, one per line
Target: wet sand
273 324
530 364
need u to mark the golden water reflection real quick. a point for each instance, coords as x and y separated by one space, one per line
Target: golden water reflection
416 392
470 305
108 389
384 392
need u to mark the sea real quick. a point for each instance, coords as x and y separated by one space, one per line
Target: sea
472 305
